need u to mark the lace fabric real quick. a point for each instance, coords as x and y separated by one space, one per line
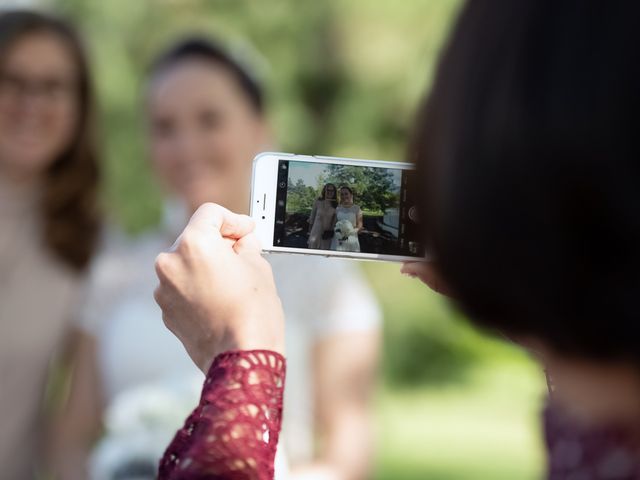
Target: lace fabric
578 452
233 433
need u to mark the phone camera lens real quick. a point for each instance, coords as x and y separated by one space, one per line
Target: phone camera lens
283 184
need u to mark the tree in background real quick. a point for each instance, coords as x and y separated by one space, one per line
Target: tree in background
374 188
300 197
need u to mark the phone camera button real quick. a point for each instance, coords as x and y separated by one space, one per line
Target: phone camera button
413 214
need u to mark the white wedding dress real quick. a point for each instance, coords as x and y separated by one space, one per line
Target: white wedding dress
349 214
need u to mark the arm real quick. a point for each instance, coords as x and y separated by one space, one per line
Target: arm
345 367
234 431
314 211
77 423
359 220
218 296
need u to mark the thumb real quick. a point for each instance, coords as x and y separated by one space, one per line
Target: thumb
224 223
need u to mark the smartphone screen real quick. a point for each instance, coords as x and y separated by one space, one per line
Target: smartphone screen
346 208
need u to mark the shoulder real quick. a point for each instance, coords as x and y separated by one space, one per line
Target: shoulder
350 304
123 258
123 265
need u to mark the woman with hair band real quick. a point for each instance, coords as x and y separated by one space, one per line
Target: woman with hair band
323 218
528 163
206 120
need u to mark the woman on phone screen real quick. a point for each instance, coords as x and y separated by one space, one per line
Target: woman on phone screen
323 218
349 222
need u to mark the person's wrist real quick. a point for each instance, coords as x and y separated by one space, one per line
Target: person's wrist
258 343
255 335
260 334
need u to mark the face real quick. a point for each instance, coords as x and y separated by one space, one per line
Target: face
38 104
203 134
330 192
345 196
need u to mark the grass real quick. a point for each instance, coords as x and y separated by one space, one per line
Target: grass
475 422
484 429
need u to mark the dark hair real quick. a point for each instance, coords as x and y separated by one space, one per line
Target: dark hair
529 162
211 51
344 187
324 194
69 202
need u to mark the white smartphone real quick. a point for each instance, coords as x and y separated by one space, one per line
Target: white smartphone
342 207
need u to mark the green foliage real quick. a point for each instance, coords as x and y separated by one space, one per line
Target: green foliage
373 188
426 340
300 197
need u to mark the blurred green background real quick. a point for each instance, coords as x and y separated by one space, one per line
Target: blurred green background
344 77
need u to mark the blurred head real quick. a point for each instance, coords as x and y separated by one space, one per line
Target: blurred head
529 164
206 123
47 127
346 195
328 192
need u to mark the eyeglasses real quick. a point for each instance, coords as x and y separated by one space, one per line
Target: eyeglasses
53 89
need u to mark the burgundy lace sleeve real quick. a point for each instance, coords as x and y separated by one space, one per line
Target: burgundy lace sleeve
233 433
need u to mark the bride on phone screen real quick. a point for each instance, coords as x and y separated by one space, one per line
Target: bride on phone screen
348 223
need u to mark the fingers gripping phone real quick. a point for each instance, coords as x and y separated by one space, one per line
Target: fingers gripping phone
340 207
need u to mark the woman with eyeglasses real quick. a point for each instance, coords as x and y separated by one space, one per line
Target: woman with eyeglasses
48 217
323 218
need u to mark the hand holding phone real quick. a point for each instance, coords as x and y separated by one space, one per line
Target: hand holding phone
341 207
215 290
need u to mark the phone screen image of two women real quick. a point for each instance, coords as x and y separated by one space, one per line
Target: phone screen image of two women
346 208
